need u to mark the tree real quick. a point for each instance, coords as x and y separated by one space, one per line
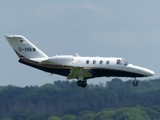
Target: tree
85 115
68 117
105 114
62 98
53 118
7 119
131 114
35 117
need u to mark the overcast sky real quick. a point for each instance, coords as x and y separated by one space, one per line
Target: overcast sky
127 29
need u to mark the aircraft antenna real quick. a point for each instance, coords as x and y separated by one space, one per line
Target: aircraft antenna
77 55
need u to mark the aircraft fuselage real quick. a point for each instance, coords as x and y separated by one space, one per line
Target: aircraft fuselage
81 68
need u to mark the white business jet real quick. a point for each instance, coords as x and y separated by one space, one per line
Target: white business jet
81 68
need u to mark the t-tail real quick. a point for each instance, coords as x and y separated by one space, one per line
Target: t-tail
24 48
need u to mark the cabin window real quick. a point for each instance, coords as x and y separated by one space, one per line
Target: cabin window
87 61
100 62
107 62
94 61
119 62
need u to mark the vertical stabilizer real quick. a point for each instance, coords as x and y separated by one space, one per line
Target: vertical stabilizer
24 48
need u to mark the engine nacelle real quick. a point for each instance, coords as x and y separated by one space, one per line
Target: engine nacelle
59 60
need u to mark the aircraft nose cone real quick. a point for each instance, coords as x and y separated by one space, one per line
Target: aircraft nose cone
143 71
150 73
146 72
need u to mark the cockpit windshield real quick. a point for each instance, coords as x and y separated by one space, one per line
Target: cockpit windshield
125 63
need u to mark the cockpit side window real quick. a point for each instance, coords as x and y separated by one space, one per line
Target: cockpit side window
119 62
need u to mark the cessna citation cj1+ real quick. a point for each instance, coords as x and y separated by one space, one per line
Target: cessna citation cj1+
81 68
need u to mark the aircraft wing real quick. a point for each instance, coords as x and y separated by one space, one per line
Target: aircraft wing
78 71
